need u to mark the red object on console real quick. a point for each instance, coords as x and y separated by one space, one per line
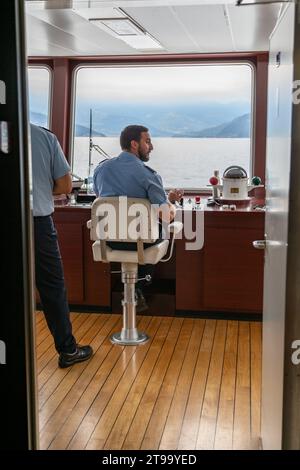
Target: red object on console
213 180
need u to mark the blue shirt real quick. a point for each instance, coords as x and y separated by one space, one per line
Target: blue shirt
127 175
48 164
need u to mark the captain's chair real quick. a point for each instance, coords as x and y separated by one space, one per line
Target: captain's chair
122 219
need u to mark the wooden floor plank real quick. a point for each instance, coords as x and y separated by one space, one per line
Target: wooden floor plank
208 420
171 434
68 379
156 366
224 430
38 317
159 416
100 366
107 392
189 431
139 367
63 424
141 419
256 365
40 329
195 384
50 390
242 423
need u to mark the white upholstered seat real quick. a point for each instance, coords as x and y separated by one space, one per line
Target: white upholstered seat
128 220
152 255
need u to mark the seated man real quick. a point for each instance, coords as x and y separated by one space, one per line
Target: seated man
127 175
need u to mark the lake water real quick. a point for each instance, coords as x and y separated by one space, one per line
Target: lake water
182 162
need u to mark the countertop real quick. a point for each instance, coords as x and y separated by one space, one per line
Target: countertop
251 205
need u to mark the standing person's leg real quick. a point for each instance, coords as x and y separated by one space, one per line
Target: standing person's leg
51 284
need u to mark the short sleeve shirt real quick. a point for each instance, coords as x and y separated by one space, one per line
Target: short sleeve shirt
48 164
127 175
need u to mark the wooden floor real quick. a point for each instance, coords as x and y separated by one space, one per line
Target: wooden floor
195 385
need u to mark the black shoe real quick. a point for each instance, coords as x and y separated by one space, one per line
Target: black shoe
82 353
141 305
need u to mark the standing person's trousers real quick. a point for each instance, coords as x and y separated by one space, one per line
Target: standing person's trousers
50 283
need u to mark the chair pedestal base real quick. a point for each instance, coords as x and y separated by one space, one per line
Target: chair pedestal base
126 338
129 336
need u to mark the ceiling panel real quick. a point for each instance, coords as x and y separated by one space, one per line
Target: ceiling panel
85 37
199 21
180 26
252 25
204 26
163 24
42 34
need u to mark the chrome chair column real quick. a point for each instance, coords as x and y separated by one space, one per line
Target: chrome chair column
129 334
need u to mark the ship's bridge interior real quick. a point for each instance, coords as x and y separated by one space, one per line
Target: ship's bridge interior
202 76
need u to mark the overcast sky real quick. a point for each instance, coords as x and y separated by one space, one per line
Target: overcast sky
38 82
186 84
157 84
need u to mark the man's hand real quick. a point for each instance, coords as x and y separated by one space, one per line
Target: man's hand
175 195
167 212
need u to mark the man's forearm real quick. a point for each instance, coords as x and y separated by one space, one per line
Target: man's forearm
62 185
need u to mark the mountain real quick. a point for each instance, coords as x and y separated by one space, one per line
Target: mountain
40 119
237 128
162 119
111 124
199 120
82 131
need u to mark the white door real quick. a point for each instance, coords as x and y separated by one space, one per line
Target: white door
276 228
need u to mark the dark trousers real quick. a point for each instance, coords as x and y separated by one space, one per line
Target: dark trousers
51 284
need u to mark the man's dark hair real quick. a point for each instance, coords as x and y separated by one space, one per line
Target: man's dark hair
131 133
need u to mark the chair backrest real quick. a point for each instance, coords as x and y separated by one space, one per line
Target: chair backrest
124 219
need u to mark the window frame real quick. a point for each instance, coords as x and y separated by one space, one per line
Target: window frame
174 63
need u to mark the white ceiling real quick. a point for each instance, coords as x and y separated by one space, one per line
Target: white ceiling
61 27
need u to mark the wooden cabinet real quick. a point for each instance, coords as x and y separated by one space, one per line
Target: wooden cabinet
226 275
70 238
87 282
233 268
189 278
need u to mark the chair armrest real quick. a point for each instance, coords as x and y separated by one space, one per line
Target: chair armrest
89 224
175 227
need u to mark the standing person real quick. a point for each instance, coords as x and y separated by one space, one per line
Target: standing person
127 175
50 176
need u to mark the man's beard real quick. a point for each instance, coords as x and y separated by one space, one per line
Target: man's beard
143 157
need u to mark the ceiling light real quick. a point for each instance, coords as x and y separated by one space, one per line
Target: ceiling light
128 31
121 26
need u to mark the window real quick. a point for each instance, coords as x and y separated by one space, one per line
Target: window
39 85
199 117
